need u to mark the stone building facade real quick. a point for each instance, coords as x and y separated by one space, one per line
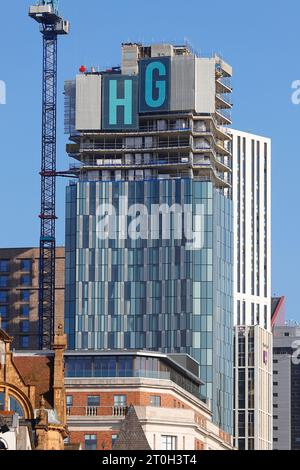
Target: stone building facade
32 387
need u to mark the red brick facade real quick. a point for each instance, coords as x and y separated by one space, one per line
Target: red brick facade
107 409
104 438
136 398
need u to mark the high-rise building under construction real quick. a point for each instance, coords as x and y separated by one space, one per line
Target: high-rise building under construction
149 227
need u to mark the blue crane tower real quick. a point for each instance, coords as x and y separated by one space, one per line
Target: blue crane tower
51 26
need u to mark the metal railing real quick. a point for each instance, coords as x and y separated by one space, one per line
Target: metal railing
226 81
171 145
143 161
224 115
180 161
224 98
161 128
97 411
132 147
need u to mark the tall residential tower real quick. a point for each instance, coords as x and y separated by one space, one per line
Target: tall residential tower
149 241
252 291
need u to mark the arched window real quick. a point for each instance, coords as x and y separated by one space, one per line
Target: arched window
2 401
16 407
14 404
3 445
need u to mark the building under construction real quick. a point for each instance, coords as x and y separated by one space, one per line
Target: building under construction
153 132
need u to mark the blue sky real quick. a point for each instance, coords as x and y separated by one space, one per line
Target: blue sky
260 40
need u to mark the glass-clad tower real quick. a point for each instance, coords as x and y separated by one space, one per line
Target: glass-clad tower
149 244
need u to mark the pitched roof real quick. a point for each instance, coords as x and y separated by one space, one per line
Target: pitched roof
278 311
38 371
131 435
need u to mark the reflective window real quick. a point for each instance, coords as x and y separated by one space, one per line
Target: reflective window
93 401
251 424
3 311
241 345
90 441
125 367
251 389
155 401
2 401
109 366
26 280
69 400
25 310
3 297
251 348
25 342
16 407
242 398
4 266
25 295
120 400
26 265
242 424
168 442
79 367
24 326
4 280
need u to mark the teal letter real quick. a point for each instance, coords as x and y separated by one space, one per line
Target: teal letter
160 85
114 102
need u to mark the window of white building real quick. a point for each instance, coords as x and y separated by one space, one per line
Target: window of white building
168 442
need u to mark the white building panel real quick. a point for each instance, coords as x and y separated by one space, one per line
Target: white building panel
183 83
205 86
88 102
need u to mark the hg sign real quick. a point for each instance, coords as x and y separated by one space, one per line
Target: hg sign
124 97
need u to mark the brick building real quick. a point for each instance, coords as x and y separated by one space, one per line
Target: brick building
161 391
19 281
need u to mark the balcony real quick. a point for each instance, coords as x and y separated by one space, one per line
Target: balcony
223 117
104 147
223 101
168 161
162 127
97 411
143 161
223 85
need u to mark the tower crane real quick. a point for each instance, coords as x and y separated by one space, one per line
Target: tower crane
52 25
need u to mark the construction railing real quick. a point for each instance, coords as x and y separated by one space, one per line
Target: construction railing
143 160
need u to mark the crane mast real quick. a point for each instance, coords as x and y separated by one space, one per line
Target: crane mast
51 26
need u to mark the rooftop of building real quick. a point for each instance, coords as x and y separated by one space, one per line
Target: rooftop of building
182 362
162 49
19 251
289 330
249 134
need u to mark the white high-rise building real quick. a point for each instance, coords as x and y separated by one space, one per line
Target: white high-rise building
252 291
